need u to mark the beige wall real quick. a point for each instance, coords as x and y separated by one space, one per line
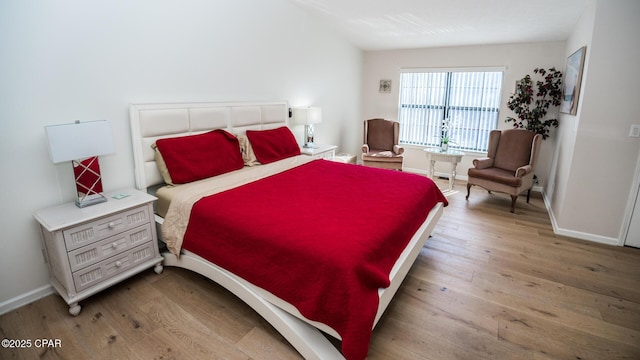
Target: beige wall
518 59
596 159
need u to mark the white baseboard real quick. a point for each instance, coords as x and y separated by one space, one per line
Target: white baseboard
437 174
576 234
25 298
413 170
586 236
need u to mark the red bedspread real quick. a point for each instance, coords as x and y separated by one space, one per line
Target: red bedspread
322 236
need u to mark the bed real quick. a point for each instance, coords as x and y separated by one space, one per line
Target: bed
254 229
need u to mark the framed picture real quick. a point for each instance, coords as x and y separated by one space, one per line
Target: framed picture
385 86
572 80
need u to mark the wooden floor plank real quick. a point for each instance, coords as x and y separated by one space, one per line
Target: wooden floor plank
488 284
259 344
190 332
560 341
208 302
11 328
96 335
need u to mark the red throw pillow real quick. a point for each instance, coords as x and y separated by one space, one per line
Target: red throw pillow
273 145
195 157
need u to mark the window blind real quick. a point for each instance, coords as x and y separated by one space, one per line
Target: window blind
468 100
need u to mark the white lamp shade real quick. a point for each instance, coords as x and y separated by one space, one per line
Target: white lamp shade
79 140
307 115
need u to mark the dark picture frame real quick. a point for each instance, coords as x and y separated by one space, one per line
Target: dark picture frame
572 81
385 86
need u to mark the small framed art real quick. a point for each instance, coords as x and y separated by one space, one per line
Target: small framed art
572 80
385 86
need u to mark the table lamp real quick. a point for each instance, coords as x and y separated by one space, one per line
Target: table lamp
307 116
82 143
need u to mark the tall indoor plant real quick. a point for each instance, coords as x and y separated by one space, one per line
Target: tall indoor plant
531 105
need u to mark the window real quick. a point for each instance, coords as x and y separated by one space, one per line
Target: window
469 99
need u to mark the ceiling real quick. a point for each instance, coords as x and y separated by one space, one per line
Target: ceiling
404 24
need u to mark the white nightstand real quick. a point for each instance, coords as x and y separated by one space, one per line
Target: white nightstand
89 249
320 152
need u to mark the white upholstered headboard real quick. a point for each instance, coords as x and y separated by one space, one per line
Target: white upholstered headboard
150 122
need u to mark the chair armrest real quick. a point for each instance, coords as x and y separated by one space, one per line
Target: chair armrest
523 170
483 163
365 149
398 150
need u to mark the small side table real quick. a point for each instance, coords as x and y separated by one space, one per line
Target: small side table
450 156
320 151
90 249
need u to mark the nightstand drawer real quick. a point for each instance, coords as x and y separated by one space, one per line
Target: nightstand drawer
104 270
326 155
93 253
102 228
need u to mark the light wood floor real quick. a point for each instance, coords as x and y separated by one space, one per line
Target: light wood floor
488 285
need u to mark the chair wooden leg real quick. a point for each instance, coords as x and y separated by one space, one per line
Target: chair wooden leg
513 202
468 190
528 195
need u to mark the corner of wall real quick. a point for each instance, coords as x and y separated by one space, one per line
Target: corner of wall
572 233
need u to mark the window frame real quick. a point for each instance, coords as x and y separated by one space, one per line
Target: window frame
427 139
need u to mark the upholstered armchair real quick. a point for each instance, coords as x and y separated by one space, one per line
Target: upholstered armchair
381 147
508 167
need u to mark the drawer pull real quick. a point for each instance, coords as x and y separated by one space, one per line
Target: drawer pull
112 225
118 263
114 245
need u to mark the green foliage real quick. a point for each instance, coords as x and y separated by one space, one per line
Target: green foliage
531 106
